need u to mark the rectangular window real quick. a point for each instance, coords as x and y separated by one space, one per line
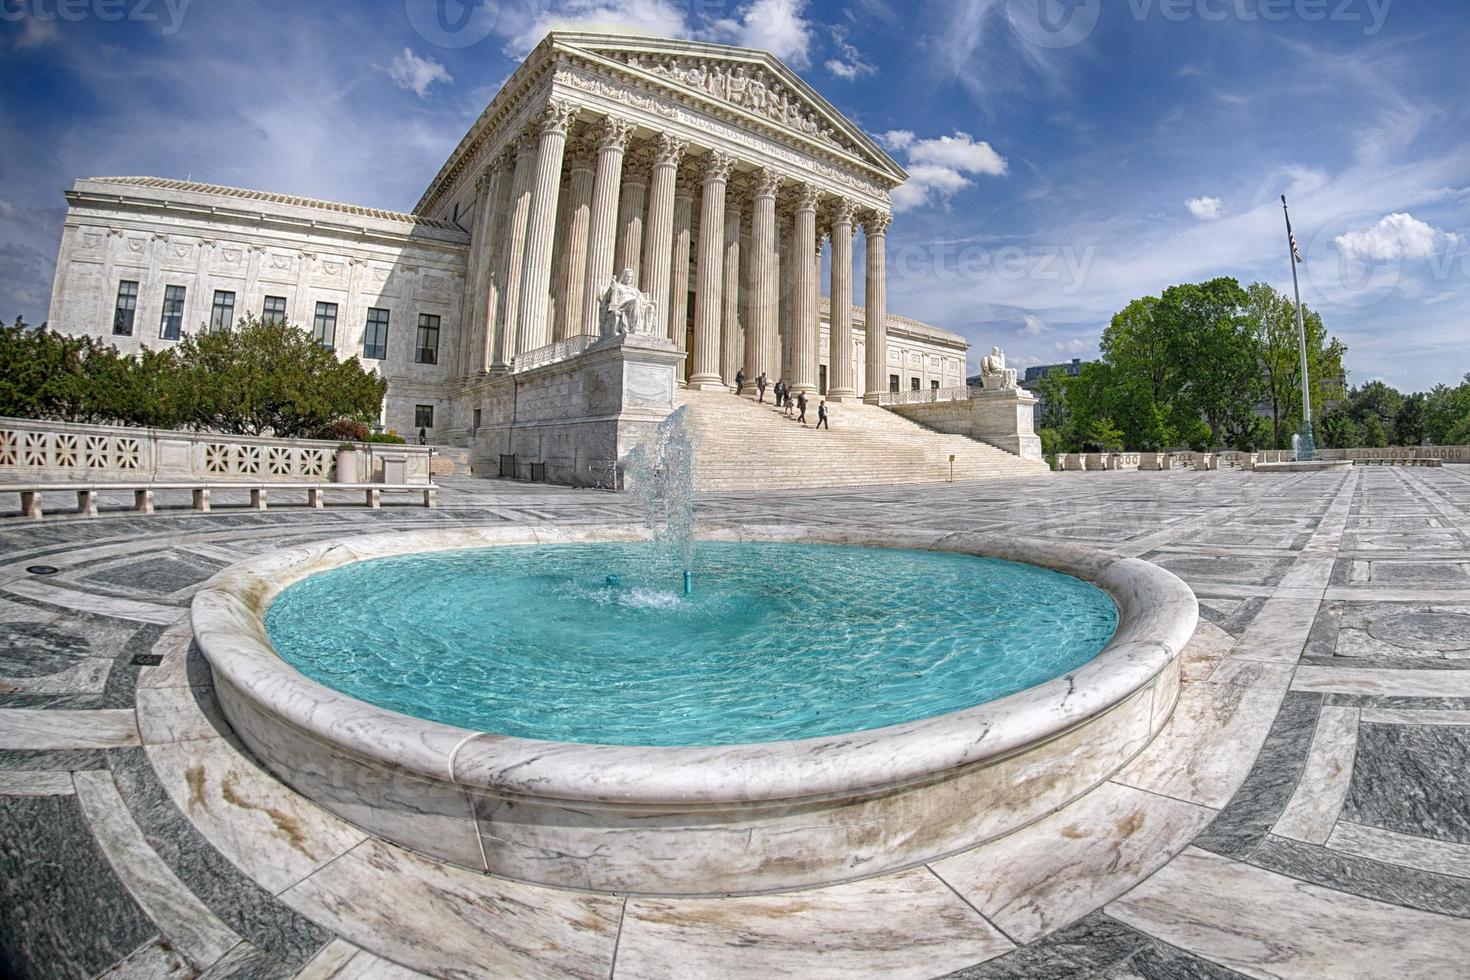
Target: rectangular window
934 385
477 419
222 314
375 337
893 383
127 308
274 309
913 384
423 416
324 325
426 351
172 324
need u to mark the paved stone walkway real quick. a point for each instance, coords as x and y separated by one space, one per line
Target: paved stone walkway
1306 812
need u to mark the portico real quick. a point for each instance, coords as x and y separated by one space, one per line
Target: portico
677 160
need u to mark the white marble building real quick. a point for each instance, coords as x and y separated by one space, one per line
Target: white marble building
715 173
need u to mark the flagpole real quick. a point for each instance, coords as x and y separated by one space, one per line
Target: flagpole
1306 444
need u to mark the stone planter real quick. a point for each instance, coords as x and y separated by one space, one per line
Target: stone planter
347 466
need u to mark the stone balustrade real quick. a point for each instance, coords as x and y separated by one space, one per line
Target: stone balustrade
66 452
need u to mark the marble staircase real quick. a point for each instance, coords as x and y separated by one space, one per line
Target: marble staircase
743 445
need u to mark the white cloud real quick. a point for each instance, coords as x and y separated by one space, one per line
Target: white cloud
897 139
1205 208
416 74
851 64
938 167
777 26
656 17
960 152
1396 237
1033 325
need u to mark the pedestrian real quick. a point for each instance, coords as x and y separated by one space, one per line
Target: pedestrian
801 407
780 392
822 416
760 386
423 436
786 404
740 381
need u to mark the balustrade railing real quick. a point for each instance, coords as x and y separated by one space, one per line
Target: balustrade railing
562 350
924 396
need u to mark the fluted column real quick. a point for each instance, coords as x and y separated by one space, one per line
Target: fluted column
572 290
602 221
762 354
804 288
533 327
785 329
487 335
514 252
875 337
658 234
730 346
709 300
631 201
841 385
679 267
478 273
556 311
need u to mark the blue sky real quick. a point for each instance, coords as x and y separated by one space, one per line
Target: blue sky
1068 155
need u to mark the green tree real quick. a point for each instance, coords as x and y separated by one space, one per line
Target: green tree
1337 430
1211 339
1408 424
1446 413
1272 317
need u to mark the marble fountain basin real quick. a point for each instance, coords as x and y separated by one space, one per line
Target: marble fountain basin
721 820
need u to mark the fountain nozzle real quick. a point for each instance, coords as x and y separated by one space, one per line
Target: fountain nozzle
688 583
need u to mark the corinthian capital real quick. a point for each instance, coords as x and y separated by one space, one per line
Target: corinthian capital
877 222
556 117
668 150
717 166
807 196
613 133
767 182
843 211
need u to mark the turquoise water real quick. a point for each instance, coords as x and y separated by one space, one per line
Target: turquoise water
778 642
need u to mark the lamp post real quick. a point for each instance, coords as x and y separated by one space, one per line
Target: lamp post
1306 448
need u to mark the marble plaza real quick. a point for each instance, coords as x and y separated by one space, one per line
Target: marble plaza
1302 813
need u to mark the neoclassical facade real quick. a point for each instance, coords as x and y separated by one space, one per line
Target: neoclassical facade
714 173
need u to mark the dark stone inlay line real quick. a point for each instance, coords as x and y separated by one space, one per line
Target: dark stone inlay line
1095 945
53 760
122 679
1429 661
75 701
1267 788
242 904
1377 880
1392 701
245 962
1412 780
63 913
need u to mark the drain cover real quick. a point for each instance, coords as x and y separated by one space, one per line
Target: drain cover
147 659
43 569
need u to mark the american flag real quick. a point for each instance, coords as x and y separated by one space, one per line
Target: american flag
1296 251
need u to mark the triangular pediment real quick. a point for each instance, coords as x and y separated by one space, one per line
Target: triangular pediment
743 80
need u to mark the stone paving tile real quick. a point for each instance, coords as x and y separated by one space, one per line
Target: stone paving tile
1361 573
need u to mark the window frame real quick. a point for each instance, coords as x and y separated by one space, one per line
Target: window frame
215 308
175 298
118 309
419 413
324 325
424 329
376 328
265 305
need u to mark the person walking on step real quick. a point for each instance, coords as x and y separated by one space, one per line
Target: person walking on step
786 403
760 387
780 392
801 407
822 416
740 381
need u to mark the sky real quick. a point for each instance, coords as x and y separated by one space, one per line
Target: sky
1066 156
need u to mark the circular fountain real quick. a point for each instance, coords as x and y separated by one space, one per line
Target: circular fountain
545 704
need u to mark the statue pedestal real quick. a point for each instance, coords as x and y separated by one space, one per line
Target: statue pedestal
1006 418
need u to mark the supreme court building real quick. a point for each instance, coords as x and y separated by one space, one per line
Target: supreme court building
714 173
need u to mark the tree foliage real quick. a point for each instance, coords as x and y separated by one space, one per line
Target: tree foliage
254 379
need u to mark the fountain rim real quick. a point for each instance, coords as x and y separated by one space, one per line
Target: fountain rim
1157 616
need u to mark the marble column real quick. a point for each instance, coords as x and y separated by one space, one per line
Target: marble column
678 299
730 349
533 327
612 140
658 234
709 299
631 202
514 254
581 174
805 332
785 329
474 284
556 311
841 385
875 337
493 258
762 355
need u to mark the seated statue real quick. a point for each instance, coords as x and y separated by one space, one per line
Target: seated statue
993 371
624 308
